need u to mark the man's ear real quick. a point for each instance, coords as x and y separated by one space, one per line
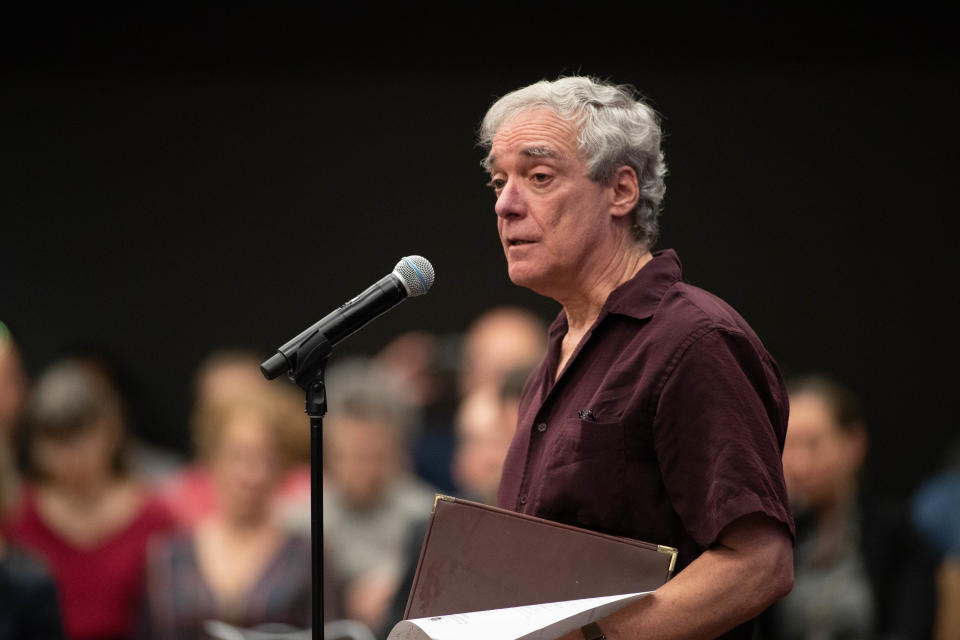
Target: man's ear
624 191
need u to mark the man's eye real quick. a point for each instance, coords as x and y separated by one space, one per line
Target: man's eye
497 184
540 177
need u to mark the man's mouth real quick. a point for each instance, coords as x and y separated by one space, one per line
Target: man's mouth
516 243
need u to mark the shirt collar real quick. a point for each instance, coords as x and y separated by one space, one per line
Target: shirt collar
640 296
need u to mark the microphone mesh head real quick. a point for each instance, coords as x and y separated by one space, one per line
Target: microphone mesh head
416 274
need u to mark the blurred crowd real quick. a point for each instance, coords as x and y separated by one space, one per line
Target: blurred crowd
104 536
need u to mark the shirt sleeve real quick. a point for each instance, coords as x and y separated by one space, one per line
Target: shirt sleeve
718 434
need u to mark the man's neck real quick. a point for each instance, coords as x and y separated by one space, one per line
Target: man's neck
583 306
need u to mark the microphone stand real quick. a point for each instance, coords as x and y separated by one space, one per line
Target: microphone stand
304 359
316 409
308 373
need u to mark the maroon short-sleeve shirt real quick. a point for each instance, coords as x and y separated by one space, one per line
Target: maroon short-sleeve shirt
666 425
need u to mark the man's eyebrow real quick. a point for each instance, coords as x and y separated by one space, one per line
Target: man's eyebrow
530 152
540 152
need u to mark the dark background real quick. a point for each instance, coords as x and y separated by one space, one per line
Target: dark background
174 181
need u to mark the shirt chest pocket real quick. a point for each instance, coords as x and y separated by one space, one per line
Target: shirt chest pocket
583 473
580 439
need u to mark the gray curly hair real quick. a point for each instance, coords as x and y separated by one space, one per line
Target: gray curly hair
616 128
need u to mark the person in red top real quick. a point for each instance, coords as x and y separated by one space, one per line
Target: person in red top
81 512
657 413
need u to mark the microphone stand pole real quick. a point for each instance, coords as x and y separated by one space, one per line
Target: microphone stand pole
304 359
308 373
316 408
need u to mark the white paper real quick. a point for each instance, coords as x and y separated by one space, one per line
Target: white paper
533 622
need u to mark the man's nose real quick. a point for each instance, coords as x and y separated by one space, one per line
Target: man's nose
510 202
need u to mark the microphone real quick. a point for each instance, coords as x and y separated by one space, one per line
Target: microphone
413 276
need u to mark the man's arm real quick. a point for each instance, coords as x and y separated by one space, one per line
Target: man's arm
749 568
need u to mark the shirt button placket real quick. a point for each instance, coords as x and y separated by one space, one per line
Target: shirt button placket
522 498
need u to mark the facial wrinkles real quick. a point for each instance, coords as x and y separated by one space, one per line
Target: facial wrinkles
532 138
536 128
558 216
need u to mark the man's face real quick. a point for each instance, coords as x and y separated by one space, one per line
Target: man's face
550 214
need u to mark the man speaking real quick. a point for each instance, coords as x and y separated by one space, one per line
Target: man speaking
656 414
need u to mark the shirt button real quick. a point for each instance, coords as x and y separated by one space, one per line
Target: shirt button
523 498
542 427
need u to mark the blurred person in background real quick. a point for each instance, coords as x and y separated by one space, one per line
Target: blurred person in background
482 443
224 377
497 342
371 499
81 511
485 426
426 367
13 394
486 423
143 460
415 358
860 569
936 514
13 385
28 596
238 565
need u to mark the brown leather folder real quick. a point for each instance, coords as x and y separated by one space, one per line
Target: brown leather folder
476 557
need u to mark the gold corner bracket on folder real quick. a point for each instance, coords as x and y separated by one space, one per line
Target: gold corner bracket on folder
437 498
670 551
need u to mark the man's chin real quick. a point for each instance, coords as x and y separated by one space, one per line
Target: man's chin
521 276
528 278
